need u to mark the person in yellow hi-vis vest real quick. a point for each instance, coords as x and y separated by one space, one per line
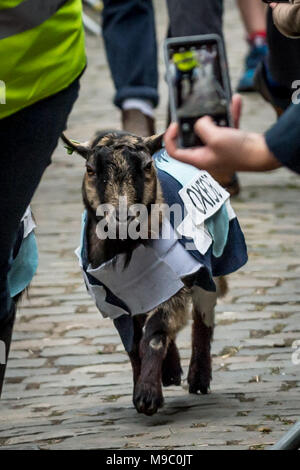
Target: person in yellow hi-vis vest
186 65
41 59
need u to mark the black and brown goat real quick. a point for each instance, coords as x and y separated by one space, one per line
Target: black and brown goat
119 164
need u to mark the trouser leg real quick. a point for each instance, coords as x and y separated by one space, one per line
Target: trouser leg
6 330
130 43
284 56
28 139
191 17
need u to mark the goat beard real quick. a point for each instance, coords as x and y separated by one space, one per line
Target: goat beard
103 250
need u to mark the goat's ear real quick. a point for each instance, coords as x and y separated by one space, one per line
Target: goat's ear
82 149
154 143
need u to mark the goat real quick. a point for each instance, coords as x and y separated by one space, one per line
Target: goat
120 164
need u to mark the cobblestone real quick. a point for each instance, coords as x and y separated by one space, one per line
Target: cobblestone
68 382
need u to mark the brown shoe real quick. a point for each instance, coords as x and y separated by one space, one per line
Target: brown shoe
233 186
135 122
229 181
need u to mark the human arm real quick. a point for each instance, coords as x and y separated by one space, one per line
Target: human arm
287 18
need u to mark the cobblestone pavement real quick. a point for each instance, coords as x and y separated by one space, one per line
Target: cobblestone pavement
69 381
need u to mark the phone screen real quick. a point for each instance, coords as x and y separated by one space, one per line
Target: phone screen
198 86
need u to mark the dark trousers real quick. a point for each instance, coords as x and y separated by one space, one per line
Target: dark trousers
284 57
130 43
27 141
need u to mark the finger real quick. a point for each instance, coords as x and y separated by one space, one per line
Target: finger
173 130
236 109
189 156
170 138
199 157
205 128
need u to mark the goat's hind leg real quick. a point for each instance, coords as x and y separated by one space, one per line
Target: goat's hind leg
200 370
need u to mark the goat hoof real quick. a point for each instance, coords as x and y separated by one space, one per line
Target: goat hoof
199 382
171 377
148 398
195 389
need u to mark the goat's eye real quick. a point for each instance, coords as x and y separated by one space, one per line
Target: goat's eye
148 166
90 171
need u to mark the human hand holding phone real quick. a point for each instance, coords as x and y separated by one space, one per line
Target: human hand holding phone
228 148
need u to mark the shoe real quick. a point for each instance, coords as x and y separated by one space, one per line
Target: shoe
135 122
6 330
233 186
229 182
279 100
253 59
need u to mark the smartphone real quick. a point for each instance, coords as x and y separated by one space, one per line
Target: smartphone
199 84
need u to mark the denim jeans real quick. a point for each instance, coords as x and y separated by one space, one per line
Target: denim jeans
130 43
28 139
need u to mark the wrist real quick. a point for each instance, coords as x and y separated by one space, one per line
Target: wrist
257 153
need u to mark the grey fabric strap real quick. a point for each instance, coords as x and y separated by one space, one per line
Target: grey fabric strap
26 15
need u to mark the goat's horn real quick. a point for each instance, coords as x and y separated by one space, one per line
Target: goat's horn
154 143
82 149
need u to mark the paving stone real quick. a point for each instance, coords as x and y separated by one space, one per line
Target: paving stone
25 363
74 350
94 333
23 372
61 394
90 359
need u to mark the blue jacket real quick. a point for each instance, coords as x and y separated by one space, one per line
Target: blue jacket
283 139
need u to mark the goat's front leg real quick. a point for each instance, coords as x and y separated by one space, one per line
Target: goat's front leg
200 370
148 397
134 354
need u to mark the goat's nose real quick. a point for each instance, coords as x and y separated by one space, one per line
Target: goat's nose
118 216
122 216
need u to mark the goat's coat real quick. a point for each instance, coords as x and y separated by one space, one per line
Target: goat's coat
156 269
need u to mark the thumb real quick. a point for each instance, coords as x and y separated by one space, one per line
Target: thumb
236 109
205 128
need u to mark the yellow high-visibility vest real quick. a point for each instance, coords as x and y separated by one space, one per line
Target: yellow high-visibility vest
41 50
185 61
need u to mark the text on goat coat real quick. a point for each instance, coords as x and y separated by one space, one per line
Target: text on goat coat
203 197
